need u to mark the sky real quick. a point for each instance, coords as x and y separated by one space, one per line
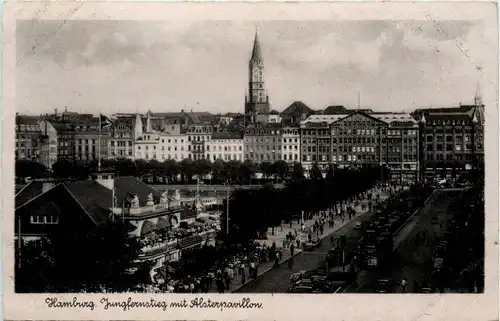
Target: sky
128 66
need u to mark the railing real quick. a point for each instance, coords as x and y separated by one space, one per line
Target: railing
148 209
175 243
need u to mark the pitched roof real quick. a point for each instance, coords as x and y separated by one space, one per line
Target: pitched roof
337 109
28 192
389 117
297 107
448 117
94 198
226 135
26 120
127 187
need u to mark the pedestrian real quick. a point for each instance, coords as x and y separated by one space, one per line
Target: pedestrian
292 248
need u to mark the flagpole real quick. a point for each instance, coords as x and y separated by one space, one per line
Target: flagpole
99 146
113 202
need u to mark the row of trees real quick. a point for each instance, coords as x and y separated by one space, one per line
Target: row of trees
81 261
170 171
251 212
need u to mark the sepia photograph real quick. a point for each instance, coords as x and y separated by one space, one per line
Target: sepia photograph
259 156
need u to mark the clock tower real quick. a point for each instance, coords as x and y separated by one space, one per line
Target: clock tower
256 100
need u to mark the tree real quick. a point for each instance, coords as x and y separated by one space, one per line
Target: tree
171 169
248 170
315 172
202 167
187 170
233 171
80 261
28 168
266 169
125 167
62 169
281 169
140 167
218 171
297 172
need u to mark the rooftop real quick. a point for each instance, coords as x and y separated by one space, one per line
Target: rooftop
226 135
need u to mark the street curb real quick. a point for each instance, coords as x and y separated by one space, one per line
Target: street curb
265 271
297 253
414 213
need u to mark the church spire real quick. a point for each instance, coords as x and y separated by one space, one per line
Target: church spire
256 54
478 100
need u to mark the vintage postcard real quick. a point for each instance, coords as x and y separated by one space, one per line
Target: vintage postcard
257 161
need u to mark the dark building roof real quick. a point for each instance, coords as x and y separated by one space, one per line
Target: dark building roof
28 192
448 118
95 199
274 112
226 135
333 110
127 187
297 107
26 120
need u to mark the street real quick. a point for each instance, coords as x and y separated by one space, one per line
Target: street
278 279
411 260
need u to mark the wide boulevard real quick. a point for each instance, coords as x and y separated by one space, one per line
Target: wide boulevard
411 259
278 280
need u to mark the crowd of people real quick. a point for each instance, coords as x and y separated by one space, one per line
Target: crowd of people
158 239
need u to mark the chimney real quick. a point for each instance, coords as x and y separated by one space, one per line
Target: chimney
47 186
105 179
55 112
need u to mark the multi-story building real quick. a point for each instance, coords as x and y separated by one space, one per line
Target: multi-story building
174 143
262 142
48 144
452 139
121 138
87 140
401 142
257 99
198 137
316 141
358 138
290 144
65 140
226 146
27 138
146 142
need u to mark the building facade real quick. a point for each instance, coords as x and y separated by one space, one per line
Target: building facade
28 135
174 143
198 137
87 140
290 144
121 139
401 142
452 140
225 146
48 144
262 143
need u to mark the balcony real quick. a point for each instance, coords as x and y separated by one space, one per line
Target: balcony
145 210
156 244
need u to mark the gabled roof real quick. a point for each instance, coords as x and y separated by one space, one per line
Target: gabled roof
333 110
95 199
297 107
28 192
127 187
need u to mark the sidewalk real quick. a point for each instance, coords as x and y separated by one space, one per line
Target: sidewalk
280 235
